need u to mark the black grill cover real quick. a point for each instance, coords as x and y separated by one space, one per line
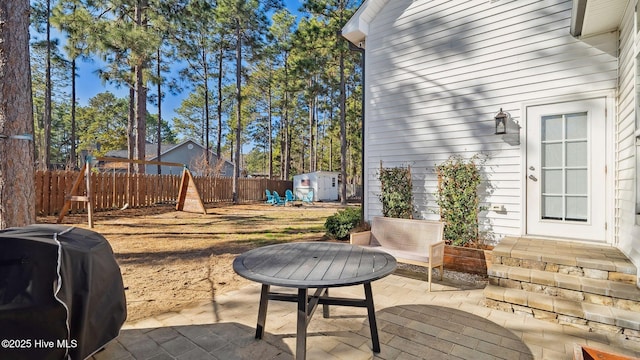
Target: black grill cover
61 293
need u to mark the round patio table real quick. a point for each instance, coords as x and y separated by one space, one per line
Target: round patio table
314 265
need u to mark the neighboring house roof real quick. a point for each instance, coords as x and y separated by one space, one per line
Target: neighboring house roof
170 147
151 154
164 149
117 153
150 151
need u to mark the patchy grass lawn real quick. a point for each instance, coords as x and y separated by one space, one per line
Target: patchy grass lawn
170 260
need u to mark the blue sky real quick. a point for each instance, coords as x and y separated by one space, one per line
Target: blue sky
89 84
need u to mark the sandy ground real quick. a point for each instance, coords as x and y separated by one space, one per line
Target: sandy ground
170 260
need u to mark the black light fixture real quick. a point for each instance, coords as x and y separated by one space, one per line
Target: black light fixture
501 122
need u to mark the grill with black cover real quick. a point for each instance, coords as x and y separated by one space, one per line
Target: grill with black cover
61 293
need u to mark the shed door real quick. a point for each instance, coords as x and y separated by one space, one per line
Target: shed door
565 170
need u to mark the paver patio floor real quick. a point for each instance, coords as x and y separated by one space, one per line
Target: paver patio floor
448 323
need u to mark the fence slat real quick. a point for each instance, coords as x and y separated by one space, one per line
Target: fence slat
111 190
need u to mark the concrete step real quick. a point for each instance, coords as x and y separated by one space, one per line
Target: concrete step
571 258
594 317
621 295
587 285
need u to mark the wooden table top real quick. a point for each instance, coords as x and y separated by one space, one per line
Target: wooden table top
314 265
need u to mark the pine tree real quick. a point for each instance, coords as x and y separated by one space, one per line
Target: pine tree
195 40
74 20
335 13
17 188
282 32
248 19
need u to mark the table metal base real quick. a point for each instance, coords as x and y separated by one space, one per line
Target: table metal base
307 306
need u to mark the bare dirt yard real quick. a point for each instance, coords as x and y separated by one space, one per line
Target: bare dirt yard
170 259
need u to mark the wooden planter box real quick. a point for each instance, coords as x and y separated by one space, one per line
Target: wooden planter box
589 353
467 260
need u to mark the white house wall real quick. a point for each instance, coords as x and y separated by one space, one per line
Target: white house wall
438 71
627 233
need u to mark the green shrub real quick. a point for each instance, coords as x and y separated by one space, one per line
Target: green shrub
340 224
396 192
457 196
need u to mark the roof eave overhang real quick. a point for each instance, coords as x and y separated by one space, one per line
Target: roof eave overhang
595 17
357 28
577 17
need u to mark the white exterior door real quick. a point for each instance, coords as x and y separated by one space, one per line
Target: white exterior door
566 170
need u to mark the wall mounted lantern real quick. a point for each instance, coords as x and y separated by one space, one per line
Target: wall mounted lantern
501 122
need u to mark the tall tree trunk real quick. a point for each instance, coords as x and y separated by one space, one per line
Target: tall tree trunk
46 151
159 130
17 188
73 158
141 95
343 122
317 165
206 106
269 115
141 117
236 169
131 128
219 107
202 133
343 135
312 105
287 132
282 143
331 154
331 117
131 141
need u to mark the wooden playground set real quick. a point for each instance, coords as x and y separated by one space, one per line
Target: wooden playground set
188 200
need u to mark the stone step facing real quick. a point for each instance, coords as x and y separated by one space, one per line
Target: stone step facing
583 284
623 295
542 306
582 259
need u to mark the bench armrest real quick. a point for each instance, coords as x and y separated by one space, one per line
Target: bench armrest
360 238
436 253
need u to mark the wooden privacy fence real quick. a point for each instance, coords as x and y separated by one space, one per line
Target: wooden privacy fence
114 190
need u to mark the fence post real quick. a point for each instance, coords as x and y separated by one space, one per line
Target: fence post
115 190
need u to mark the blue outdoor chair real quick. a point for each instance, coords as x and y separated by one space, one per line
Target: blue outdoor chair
277 200
270 199
308 198
289 197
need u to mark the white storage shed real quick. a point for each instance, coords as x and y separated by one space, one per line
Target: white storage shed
323 183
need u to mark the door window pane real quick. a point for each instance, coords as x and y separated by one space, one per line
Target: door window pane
577 208
577 182
552 180
577 153
564 167
577 126
551 128
552 207
552 155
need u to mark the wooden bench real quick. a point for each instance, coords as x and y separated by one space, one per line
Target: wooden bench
417 242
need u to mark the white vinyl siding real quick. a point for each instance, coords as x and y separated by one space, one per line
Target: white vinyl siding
438 71
627 231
